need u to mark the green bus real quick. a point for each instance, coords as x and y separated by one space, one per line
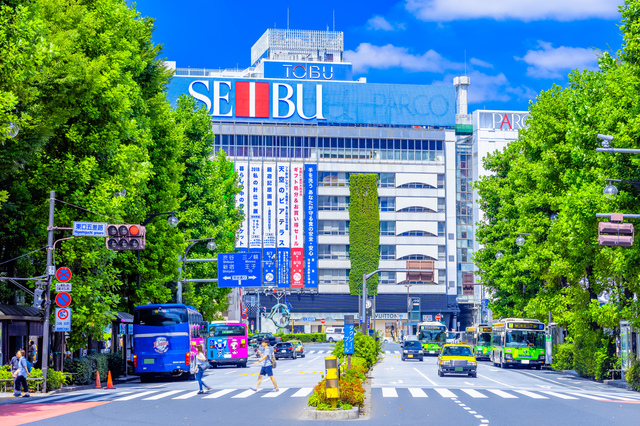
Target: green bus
479 338
433 335
518 341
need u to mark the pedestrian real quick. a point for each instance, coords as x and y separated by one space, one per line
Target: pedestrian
201 365
21 375
266 368
15 363
31 354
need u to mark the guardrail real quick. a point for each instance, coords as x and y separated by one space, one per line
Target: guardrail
8 383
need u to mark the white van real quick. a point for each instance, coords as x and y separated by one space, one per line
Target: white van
334 334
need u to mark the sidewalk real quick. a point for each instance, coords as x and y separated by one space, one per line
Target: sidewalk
8 396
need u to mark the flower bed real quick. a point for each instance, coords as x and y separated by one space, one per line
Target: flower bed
351 384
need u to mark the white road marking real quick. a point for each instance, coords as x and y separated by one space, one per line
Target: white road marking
502 393
302 393
187 395
500 383
396 352
389 393
286 371
320 352
478 416
558 395
587 396
219 393
417 393
310 352
230 372
400 381
484 421
466 408
276 394
608 396
162 395
135 395
530 394
387 352
473 412
244 394
316 358
470 384
55 398
428 379
446 393
473 393
544 378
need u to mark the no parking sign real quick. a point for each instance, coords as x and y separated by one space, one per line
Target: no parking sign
63 319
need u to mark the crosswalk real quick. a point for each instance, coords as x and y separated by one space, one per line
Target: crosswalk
384 392
318 352
392 352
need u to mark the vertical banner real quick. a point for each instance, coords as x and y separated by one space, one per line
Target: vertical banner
310 226
242 239
297 225
255 207
269 225
283 232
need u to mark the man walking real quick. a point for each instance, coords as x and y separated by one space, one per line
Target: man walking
22 373
267 366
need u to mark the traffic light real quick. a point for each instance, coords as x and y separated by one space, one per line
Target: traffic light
125 237
615 233
38 298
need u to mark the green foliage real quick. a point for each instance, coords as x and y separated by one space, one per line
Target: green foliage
304 337
633 374
351 393
55 379
563 357
82 370
364 232
365 348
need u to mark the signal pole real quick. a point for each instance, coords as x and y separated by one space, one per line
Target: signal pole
47 293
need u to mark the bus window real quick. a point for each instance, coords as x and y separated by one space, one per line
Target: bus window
228 331
160 317
521 338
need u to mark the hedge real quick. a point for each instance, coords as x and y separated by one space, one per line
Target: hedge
85 368
55 379
304 337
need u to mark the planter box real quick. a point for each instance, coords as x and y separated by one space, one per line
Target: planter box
315 414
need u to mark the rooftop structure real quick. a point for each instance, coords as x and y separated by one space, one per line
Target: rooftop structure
299 45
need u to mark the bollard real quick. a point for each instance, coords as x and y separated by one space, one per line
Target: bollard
333 375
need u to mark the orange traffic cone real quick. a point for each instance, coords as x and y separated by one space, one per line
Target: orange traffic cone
109 382
98 380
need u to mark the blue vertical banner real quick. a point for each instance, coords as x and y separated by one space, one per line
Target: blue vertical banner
310 225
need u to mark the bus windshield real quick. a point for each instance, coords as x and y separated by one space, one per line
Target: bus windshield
160 317
433 336
523 339
484 339
227 331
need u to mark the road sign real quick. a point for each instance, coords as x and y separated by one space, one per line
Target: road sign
64 287
239 269
63 299
244 316
63 319
438 317
51 270
244 309
89 229
63 274
322 321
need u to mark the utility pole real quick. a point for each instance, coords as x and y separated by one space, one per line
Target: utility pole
364 305
47 297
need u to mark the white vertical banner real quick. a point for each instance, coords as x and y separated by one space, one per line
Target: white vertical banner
269 206
255 206
242 200
297 225
283 234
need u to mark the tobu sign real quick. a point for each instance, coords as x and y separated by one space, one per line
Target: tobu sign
312 101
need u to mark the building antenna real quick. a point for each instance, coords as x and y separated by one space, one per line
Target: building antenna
287 18
465 62
334 19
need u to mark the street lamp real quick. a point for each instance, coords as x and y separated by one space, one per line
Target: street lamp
610 191
211 245
173 221
13 130
499 254
520 240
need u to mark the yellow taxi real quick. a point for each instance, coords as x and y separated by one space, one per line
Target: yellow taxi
299 347
457 359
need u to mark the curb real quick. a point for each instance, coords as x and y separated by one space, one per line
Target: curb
338 415
617 384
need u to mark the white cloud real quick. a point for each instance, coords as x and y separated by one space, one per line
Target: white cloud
379 23
521 10
480 63
493 88
550 62
368 56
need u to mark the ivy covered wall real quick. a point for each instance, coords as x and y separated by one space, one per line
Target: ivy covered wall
364 231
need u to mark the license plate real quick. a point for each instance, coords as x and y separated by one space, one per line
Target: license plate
149 361
283 350
410 356
525 361
459 369
432 352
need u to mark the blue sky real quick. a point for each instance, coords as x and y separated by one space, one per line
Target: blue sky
514 48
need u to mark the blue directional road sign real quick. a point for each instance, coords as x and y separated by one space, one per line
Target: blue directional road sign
239 269
90 229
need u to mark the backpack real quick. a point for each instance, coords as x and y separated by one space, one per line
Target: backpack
28 366
273 361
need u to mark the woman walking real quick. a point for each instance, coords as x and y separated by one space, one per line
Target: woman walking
201 365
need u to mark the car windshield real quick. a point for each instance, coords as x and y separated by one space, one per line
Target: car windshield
227 330
456 351
451 335
160 317
432 336
484 339
413 344
283 345
523 339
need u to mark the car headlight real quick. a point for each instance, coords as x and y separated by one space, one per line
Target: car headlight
445 362
507 356
541 357
406 352
472 363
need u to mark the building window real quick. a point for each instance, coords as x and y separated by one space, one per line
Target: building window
333 203
333 179
416 257
387 180
386 278
387 228
416 234
387 252
440 205
387 204
333 276
333 251
441 231
416 185
415 209
333 227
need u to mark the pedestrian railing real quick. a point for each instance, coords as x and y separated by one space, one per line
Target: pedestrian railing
7 384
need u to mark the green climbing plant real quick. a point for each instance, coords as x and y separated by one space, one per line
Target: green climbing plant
364 231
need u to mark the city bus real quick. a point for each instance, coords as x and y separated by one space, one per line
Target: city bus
433 335
228 343
518 341
164 340
479 338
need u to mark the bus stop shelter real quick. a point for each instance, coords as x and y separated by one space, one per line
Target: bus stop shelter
19 325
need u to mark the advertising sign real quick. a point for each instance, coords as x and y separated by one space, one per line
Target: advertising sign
269 224
323 71
349 339
283 231
63 319
239 269
501 120
310 225
242 239
297 227
255 206
305 101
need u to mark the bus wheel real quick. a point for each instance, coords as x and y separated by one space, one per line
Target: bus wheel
145 378
243 365
502 363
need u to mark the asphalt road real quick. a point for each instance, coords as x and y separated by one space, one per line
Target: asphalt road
407 392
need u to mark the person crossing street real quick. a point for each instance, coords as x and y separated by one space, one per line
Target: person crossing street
266 369
201 365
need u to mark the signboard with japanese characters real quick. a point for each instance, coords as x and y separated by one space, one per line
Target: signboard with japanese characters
242 240
297 225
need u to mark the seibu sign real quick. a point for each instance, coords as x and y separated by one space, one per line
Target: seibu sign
307 101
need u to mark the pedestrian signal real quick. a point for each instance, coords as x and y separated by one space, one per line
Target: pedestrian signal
125 237
615 233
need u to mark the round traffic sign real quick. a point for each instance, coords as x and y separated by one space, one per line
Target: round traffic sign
438 317
244 309
63 274
321 320
63 299
244 316
63 314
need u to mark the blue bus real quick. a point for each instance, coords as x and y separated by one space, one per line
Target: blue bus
164 340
